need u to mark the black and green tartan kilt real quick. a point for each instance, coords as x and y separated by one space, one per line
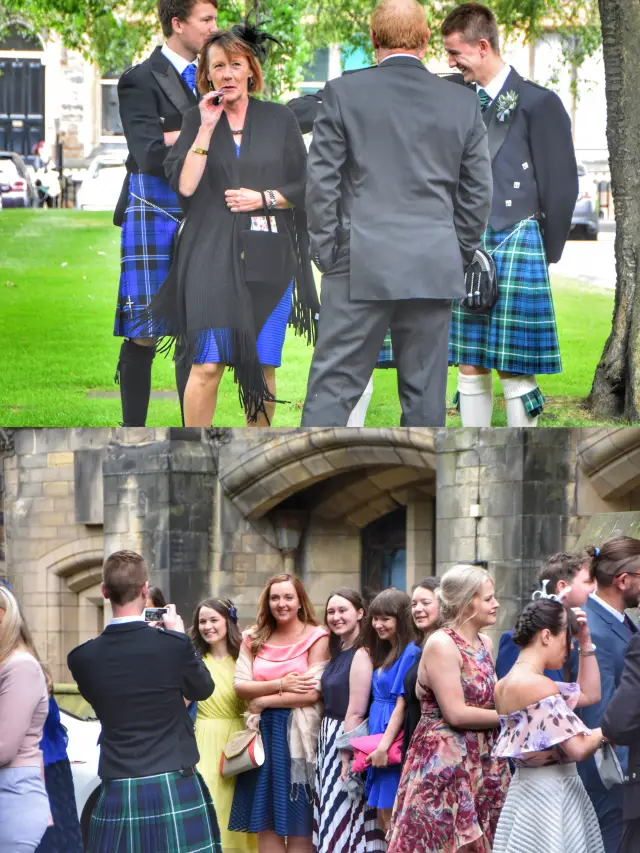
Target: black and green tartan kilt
166 813
519 335
385 356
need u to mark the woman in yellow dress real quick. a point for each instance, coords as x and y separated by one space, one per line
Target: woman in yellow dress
217 638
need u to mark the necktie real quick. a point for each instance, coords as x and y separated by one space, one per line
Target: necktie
189 76
485 100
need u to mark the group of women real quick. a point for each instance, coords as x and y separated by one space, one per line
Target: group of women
382 730
386 730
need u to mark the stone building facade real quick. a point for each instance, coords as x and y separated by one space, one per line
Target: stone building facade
219 511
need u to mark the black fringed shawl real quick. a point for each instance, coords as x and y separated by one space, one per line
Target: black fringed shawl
205 288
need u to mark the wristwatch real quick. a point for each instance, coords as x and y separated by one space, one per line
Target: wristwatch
586 653
272 199
203 151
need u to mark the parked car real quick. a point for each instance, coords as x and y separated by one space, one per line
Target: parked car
84 752
586 215
16 185
101 186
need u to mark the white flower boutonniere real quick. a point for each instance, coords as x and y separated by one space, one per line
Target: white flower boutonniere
506 105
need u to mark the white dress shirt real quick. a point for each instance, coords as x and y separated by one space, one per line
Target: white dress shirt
178 62
494 88
394 55
619 616
122 620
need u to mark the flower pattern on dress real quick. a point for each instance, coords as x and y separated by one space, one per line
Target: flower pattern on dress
541 727
452 787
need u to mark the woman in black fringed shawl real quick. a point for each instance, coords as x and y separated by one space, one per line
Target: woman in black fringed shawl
231 291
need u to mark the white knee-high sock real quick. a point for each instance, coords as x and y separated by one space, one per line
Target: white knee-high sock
359 413
476 399
514 387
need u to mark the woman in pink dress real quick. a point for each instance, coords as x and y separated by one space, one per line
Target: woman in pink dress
452 789
278 672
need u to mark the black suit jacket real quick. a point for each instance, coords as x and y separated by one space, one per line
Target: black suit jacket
153 98
621 724
533 162
136 679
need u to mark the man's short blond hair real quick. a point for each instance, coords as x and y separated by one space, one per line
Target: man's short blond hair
397 24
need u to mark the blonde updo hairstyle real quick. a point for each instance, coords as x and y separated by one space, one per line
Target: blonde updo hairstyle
458 587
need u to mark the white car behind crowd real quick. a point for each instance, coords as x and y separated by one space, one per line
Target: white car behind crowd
101 186
84 752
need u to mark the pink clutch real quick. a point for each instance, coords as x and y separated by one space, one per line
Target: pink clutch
364 746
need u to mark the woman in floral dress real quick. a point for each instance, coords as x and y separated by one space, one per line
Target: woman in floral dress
452 789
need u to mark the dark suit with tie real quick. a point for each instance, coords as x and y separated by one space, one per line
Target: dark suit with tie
611 638
535 187
153 98
398 194
621 724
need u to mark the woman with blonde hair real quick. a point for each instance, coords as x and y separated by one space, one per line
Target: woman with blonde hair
24 703
452 789
278 673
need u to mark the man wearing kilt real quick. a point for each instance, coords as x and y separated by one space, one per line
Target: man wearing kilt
535 187
153 97
137 678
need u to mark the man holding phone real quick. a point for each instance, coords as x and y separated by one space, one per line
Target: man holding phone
137 679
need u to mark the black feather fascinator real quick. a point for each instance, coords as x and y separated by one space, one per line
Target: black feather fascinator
257 39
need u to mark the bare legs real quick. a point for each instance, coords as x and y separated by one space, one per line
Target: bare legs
269 842
384 819
201 395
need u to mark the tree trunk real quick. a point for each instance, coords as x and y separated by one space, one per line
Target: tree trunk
616 385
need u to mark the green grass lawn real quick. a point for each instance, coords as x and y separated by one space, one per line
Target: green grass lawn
58 286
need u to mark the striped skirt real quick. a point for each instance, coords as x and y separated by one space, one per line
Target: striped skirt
547 810
519 335
339 823
166 813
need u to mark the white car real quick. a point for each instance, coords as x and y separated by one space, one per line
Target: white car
84 753
101 186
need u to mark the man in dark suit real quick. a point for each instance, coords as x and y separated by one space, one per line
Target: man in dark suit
398 194
621 725
137 678
616 569
535 187
153 97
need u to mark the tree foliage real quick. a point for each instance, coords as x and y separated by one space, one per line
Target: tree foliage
114 32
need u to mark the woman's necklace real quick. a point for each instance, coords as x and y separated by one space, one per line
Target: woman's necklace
237 132
530 664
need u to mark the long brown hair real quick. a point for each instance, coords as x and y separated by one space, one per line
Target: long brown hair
610 559
227 610
389 602
265 620
14 632
354 598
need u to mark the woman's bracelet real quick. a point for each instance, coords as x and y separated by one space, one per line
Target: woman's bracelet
280 691
272 200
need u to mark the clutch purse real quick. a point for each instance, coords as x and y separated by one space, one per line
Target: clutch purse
608 766
268 256
364 746
481 284
245 751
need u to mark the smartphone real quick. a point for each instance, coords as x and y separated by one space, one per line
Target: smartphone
154 614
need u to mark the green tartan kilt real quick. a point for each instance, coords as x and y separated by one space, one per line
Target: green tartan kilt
166 813
519 335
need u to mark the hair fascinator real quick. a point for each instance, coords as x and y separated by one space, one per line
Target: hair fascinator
230 608
257 39
596 552
543 594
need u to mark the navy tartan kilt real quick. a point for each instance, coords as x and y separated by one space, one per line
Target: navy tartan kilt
166 813
519 335
145 251
385 356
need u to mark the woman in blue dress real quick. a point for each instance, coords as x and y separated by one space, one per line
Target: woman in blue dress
390 639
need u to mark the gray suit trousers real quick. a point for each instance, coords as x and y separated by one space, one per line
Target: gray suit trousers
350 335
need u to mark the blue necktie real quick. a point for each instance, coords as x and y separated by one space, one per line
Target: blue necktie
189 76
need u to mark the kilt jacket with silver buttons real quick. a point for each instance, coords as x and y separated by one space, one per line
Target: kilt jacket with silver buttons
533 162
621 724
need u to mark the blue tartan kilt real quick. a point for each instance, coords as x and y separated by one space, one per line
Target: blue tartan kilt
145 251
166 813
385 356
519 335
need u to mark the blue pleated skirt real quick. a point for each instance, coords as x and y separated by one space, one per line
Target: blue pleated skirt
263 800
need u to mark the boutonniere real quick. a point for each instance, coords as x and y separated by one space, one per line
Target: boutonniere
506 105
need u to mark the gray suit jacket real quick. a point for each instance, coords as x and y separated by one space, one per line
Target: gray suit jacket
399 182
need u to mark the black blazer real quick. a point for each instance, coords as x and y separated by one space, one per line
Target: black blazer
136 679
153 97
621 724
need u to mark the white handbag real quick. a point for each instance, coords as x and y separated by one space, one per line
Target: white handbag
245 751
608 766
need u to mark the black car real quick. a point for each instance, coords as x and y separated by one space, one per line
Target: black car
16 186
